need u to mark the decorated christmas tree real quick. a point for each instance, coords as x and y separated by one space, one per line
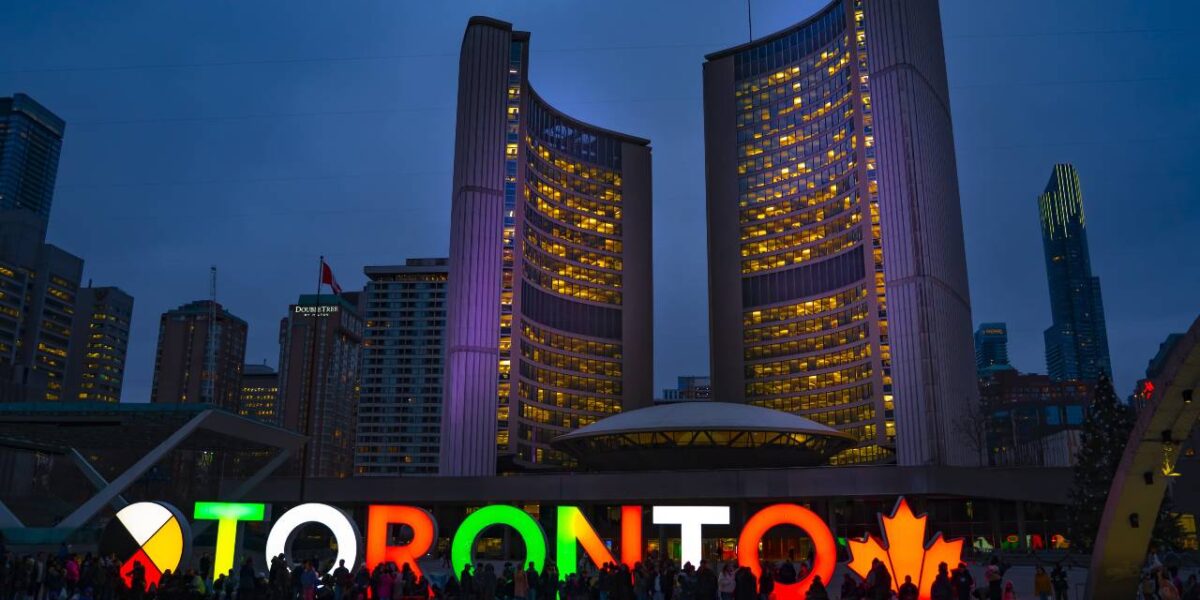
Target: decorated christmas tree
1102 442
1168 530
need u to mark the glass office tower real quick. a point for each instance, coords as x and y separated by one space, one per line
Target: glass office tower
1077 342
30 142
837 277
991 348
549 298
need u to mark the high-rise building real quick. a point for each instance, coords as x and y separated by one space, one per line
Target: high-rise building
182 371
690 387
30 142
400 399
991 348
57 341
320 349
40 282
1030 419
837 276
1077 342
99 341
550 297
260 394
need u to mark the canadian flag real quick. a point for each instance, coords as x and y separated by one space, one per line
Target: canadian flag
327 278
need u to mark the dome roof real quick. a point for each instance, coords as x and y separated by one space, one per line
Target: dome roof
685 416
702 434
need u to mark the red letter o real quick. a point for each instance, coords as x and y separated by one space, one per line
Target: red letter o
789 514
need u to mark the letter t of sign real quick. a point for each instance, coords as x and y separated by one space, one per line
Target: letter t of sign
691 520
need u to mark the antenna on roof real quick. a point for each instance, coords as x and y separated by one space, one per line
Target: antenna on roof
749 21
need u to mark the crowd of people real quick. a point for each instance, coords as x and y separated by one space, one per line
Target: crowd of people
69 576
1163 583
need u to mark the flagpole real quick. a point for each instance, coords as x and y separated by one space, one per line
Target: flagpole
305 452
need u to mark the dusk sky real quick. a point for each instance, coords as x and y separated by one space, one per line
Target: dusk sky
255 136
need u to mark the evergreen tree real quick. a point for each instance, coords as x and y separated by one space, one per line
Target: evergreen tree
1168 531
1102 442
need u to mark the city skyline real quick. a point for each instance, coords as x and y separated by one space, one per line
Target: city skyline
257 279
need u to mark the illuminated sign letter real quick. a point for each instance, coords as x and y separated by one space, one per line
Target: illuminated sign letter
154 535
462 549
227 515
824 548
279 541
691 520
574 527
631 535
380 517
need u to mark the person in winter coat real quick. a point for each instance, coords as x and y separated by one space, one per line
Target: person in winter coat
706 582
308 581
942 588
766 583
744 585
1058 579
908 589
849 588
994 580
1042 586
816 590
726 583
881 581
520 585
963 582
246 579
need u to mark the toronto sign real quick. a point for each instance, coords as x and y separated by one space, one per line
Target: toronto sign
154 535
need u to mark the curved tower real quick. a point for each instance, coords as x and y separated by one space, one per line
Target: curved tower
550 298
837 277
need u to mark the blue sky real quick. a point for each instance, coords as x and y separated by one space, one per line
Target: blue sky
257 135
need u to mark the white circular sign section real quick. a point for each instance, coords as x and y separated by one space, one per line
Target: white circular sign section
279 541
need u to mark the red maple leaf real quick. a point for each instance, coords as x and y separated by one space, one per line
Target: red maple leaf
904 552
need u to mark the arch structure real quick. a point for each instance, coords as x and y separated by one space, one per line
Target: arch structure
1146 467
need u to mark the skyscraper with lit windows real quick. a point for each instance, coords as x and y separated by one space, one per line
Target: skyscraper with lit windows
549 299
991 348
320 358
30 143
182 371
99 342
400 395
837 277
1077 341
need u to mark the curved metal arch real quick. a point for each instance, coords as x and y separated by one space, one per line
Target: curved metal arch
1141 480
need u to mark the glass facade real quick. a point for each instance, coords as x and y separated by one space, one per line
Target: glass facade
1077 342
570 369
30 142
1032 420
400 400
814 305
991 347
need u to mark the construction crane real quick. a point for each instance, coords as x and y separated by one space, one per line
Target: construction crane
210 350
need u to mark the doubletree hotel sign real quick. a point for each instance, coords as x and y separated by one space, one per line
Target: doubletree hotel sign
153 535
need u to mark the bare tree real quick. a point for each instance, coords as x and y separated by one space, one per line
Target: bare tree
972 428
